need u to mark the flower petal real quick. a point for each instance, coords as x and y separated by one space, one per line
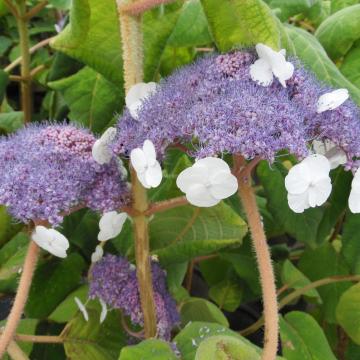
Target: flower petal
336 157
149 151
283 70
153 175
211 166
190 176
223 185
82 308
108 136
261 72
354 201
138 160
298 202
51 240
101 153
332 100
199 195
319 167
103 311
298 179
111 224
320 192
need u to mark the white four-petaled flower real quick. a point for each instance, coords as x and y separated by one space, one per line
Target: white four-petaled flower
207 182
332 100
136 95
147 168
270 64
331 151
82 308
100 151
308 183
111 224
51 241
354 198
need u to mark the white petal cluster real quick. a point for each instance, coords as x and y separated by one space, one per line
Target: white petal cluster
308 183
331 151
332 100
207 182
111 224
51 241
270 64
101 151
147 168
137 94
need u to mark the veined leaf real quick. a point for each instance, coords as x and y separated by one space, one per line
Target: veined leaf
350 66
151 349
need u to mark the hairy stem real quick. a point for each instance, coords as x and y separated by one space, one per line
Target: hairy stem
166 205
21 297
132 43
139 7
22 24
15 352
262 251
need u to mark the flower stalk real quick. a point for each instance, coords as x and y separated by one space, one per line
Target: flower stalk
131 33
267 278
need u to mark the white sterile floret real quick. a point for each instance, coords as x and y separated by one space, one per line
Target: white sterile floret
354 198
207 182
332 100
104 311
270 64
100 150
137 94
331 151
111 224
308 183
82 308
51 241
148 169
97 254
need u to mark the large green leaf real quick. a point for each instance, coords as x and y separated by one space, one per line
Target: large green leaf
180 234
11 121
351 243
151 349
313 55
350 66
241 23
227 294
197 309
90 340
303 339
339 31
337 5
321 263
302 226
8 228
52 282
285 9
348 312
93 100
93 37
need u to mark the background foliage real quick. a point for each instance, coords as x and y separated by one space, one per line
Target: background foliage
79 78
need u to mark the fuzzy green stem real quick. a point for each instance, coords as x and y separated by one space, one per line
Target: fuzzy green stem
132 42
20 298
266 272
22 24
138 7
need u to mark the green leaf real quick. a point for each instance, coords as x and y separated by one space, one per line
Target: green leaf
291 8
61 4
337 5
225 347
90 340
302 338
5 42
4 80
310 51
241 23
92 99
56 279
350 66
295 279
197 309
301 226
151 349
8 228
192 27
351 243
93 37
67 309
321 263
339 31
11 121
182 233
227 294
348 312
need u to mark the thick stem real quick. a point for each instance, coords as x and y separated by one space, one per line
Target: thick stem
167 205
265 267
21 297
15 352
132 43
139 7
22 24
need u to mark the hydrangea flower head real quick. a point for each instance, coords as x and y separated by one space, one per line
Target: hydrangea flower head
113 280
48 169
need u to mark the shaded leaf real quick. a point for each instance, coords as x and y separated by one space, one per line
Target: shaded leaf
226 294
11 121
350 242
350 66
337 5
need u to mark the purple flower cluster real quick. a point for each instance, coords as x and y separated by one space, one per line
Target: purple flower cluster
113 279
215 105
48 169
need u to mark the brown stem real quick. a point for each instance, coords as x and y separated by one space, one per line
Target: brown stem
166 205
35 10
44 339
21 297
16 352
12 8
266 272
139 7
137 335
